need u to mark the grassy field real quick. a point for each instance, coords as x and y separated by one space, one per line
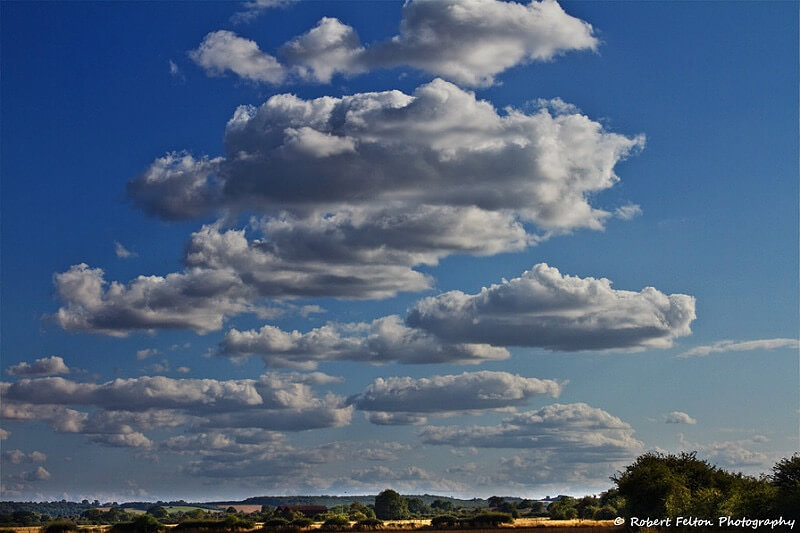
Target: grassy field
521 525
172 509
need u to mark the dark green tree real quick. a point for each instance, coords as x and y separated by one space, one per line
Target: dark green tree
442 505
786 478
417 507
389 505
564 508
159 512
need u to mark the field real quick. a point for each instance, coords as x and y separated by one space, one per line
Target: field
521 525
189 508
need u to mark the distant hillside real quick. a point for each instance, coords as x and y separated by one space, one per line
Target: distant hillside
332 501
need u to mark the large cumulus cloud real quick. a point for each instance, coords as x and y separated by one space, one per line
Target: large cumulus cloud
469 42
542 308
438 147
547 309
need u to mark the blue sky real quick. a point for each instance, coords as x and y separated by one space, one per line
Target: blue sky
293 303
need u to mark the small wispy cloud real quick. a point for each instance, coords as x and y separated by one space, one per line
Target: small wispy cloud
628 212
255 8
141 355
740 346
122 252
679 417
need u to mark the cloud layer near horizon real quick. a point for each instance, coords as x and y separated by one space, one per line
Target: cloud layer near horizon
469 42
587 433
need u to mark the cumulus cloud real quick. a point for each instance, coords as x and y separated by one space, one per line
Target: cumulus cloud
4 434
343 187
348 210
223 51
299 269
41 367
123 440
382 418
679 417
329 48
384 340
544 308
125 407
469 42
731 453
318 156
40 474
470 391
137 393
18 456
578 431
552 470
741 346
196 299
248 453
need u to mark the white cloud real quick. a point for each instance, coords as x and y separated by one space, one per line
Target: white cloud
387 149
252 9
183 369
125 407
577 432
731 453
223 51
384 340
327 49
469 42
18 456
197 299
40 474
472 41
741 346
123 440
122 252
41 367
679 417
628 212
382 418
546 309
469 391
143 354
4 434
348 210
145 392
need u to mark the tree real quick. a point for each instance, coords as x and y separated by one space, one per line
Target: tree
389 505
442 505
495 501
159 512
563 508
786 478
417 507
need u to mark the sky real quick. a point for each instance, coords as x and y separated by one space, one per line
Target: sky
463 248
